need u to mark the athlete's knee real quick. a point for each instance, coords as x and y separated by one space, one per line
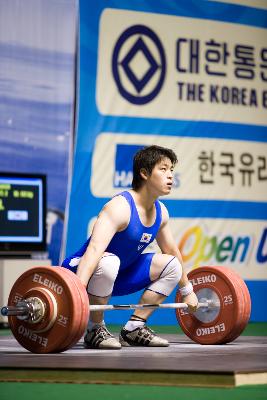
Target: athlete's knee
168 279
108 267
102 281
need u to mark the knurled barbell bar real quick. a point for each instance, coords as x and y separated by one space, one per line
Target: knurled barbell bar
48 308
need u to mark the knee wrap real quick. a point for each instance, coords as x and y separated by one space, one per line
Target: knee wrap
102 281
168 279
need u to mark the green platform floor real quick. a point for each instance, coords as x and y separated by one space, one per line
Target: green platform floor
70 391
56 391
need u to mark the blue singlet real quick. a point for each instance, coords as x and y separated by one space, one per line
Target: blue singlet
128 245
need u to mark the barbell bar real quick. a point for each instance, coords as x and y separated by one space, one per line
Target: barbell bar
48 308
27 308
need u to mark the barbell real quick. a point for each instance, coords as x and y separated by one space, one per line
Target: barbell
48 308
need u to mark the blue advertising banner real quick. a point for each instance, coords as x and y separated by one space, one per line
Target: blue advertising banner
191 76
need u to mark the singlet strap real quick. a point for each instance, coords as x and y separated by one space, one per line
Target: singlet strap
134 212
158 213
128 198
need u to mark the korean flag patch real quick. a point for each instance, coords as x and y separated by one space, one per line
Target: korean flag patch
146 238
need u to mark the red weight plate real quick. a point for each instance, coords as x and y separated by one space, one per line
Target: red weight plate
246 294
68 314
212 326
82 293
77 313
247 304
241 304
85 305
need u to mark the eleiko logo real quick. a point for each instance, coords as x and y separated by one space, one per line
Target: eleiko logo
139 64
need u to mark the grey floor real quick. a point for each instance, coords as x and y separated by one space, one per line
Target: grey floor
246 354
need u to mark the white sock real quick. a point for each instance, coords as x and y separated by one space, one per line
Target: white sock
132 325
94 325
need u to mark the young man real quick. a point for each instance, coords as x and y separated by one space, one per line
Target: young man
112 259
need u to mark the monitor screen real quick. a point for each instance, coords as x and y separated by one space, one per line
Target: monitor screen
22 213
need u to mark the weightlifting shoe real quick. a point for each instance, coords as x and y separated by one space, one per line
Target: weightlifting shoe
100 338
141 336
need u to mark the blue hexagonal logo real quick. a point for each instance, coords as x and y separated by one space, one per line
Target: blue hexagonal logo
139 64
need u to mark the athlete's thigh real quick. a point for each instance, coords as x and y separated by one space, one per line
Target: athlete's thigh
159 262
135 277
73 261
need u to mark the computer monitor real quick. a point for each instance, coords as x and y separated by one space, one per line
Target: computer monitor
22 214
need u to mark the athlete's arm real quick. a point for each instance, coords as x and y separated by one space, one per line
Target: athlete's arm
167 245
113 218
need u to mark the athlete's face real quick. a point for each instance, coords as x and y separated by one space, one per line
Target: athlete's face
161 178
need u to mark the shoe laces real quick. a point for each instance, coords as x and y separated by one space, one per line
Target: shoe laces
103 332
145 330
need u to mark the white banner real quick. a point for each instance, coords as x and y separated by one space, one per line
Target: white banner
238 244
194 70
208 168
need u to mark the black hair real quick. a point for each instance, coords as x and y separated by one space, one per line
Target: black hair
147 158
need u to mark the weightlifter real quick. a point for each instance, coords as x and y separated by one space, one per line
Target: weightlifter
112 260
